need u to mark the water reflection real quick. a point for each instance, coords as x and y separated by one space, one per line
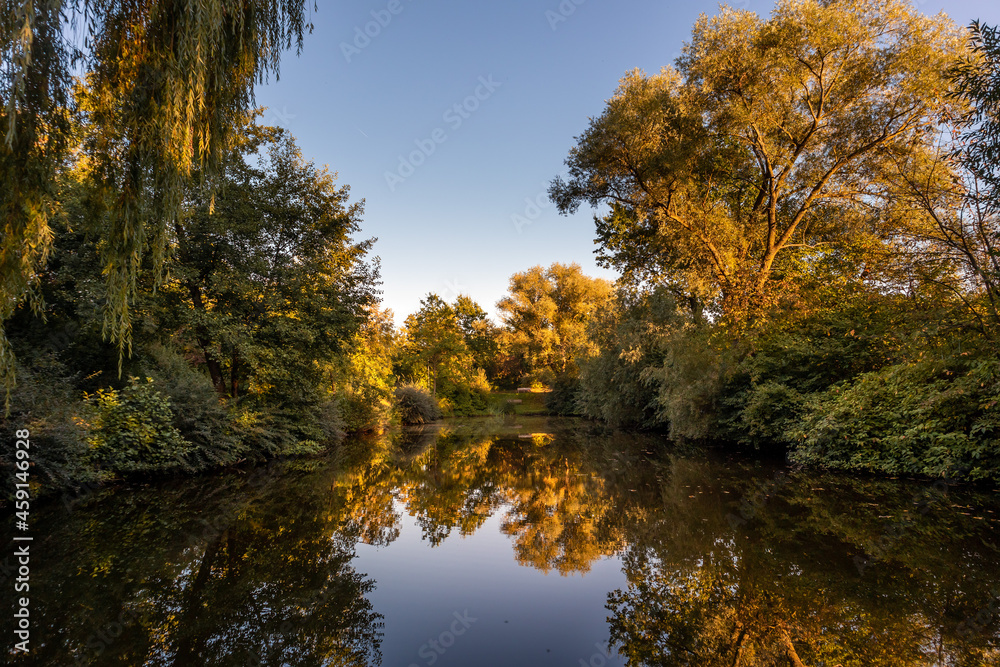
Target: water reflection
725 563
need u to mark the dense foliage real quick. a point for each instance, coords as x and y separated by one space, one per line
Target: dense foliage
249 346
804 213
805 216
168 84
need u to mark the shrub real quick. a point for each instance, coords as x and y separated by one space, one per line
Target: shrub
46 404
931 417
132 430
199 416
416 405
631 336
564 399
689 383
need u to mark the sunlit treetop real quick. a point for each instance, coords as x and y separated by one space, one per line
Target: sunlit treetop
771 137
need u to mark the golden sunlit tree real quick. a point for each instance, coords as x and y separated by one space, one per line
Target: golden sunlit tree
773 141
546 315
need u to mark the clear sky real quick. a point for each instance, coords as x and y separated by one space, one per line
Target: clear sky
465 205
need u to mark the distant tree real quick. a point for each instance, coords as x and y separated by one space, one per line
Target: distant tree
434 348
362 378
482 336
773 139
546 315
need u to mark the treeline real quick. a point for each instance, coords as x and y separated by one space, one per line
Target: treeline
237 348
805 216
258 330
458 355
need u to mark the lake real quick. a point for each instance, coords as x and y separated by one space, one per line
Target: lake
538 542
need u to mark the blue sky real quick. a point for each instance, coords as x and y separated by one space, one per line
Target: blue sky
472 108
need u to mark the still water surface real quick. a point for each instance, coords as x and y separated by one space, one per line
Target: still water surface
472 543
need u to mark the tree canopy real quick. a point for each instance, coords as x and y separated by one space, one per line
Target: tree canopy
771 139
167 83
546 318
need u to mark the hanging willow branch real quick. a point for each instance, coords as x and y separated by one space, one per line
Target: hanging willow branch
977 79
166 82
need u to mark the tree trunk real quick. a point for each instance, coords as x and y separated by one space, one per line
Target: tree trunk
234 380
193 641
790 649
214 369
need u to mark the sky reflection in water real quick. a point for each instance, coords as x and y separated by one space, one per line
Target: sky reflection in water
468 545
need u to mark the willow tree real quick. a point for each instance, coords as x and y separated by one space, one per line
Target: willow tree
978 81
166 82
770 141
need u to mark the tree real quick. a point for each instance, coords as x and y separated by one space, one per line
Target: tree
363 381
435 348
773 140
546 317
482 337
977 79
169 81
270 281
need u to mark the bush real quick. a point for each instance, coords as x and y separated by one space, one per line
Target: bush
45 403
932 417
689 383
415 405
798 355
631 336
199 416
564 399
132 430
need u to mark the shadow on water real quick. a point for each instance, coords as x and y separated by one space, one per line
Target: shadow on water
725 562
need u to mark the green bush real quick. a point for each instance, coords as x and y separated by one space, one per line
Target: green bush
132 430
932 417
462 400
795 356
416 405
46 404
631 336
564 399
689 383
198 414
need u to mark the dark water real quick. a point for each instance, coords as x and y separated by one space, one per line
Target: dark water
472 546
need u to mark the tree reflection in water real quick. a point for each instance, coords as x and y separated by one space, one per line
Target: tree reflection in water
723 565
